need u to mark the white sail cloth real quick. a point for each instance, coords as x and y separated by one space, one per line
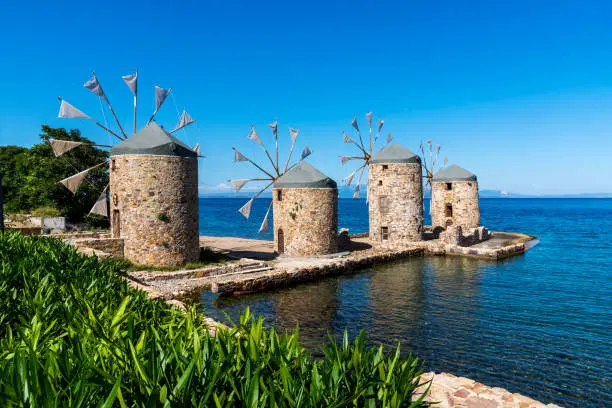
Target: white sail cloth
185 120
60 147
94 86
73 182
69 111
160 96
132 82
101 205
265 224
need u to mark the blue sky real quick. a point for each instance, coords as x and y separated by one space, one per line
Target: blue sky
518 92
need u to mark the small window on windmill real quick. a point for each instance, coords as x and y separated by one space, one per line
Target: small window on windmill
279 195
380 182
384 233
113 164
449 186
448 211
385 167
383 204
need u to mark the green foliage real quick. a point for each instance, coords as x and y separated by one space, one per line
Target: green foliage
74 334
45 211
30 176
163 217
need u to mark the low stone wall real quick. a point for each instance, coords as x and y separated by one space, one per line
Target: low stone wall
26 230
449 391
454 235
81 235
282 278
498 253
111 246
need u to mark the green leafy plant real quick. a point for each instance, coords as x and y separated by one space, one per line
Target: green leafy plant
73 333
163 217
46 211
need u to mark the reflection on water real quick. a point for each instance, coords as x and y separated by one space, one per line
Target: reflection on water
450 311
538 324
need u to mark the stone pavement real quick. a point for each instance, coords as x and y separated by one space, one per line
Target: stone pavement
450 391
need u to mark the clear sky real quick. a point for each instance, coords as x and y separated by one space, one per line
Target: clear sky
519 92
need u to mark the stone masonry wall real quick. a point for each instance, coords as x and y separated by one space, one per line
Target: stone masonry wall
308 218
464 200
157 200
112 246
395 195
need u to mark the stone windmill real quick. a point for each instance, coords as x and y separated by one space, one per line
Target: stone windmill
153 183
304 204
454 192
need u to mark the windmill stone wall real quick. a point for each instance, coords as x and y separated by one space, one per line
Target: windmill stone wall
305 213
455 199
395 197
154 200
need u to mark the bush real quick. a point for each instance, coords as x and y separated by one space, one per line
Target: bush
46 212
73 333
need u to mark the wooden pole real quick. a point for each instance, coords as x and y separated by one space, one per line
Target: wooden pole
135 100
109 105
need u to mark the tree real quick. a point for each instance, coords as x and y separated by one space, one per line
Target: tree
30 176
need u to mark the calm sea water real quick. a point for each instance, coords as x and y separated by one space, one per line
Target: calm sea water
538 324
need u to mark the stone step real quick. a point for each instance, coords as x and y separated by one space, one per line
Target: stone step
245 272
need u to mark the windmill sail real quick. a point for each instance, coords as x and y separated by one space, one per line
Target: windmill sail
348 180
160 96
185 120
238 184
354 123
101 205
60 147
239 157
69 111
265 225
347 139
294 134
73 182
306 152
94 86
254 136
246 209
274 128
357 190
132 82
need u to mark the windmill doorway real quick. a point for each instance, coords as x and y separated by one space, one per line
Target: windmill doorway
281 241
116 224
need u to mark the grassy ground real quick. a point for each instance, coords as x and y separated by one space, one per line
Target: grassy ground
208 257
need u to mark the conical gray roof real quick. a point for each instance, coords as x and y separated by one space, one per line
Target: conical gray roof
395 153
454 173
304 176
152 139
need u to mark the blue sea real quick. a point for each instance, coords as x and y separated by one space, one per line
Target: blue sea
538 324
